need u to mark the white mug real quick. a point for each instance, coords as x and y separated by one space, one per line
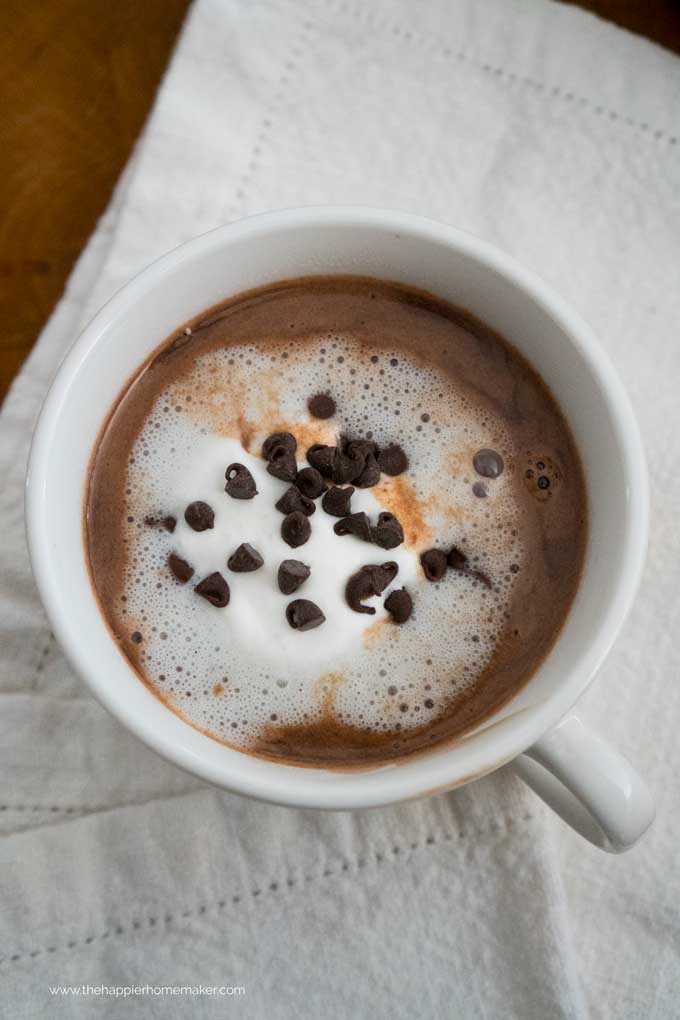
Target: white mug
587 782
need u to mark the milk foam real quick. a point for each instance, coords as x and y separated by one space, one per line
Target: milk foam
231 671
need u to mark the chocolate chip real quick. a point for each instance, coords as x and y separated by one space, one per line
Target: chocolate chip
370 475
434 564
169 523
488 463
321 457
215 589
180 568
336 501
245 559
310 483
355 524
292 575
480 490
392 460
240 482
304 615
457 559
479 575
368 581
345 468
293 500
199 516
321 406
295 529
364 447
278 439
282 464
333 463
388 532
399 605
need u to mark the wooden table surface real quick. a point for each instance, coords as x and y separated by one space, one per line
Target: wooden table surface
77 79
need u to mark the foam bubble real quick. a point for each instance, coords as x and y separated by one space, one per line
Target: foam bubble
232 671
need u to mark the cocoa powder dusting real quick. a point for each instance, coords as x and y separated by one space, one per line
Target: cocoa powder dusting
399 497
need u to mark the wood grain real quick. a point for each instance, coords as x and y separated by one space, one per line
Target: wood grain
658 20
77 79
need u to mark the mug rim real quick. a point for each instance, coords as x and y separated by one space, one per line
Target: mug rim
497 742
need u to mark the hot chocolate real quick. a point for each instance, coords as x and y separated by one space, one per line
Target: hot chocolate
335 521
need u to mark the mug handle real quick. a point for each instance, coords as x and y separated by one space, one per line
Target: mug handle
590 785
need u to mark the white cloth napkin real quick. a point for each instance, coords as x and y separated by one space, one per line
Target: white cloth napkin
556 136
